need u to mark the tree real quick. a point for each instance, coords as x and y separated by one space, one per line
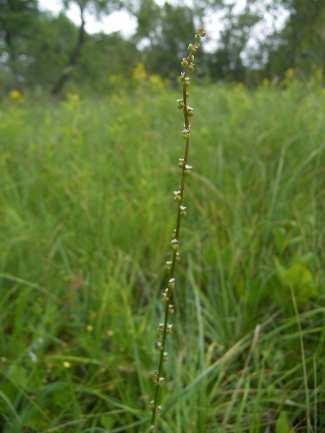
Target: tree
48 49
301 43
97 7
227 62
16 19
165 28
105 58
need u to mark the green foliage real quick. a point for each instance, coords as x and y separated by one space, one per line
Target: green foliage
282 424
166 28
17 19
300 44
49 49
299 278
105 57
85 217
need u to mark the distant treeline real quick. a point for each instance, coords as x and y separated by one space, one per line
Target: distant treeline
41 51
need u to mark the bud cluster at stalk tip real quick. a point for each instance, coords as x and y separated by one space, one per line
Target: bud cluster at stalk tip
188 62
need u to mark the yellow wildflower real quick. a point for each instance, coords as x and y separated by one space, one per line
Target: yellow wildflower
139 72
290 74
156 82
16 95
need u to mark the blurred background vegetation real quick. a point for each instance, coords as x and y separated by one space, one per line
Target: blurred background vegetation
43 51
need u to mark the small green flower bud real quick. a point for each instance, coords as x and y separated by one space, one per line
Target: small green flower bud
158 345
187 81
152 429
178 195
174 243
171 283
169 264
201 32
184 62
165 295
181 162
183 210
170 327
161 380
180 104
165 355
178 256
171 308
186 132
190 110
159 409
182 76
161 327
188 168
193 48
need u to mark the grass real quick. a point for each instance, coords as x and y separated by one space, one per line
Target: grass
85 210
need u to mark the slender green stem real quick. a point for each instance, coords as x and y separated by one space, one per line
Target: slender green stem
165 327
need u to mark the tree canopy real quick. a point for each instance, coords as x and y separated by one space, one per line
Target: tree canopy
39 49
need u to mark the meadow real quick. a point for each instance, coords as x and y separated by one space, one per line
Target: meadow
86 213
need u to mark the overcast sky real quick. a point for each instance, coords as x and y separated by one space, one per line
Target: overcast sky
117 21
126 24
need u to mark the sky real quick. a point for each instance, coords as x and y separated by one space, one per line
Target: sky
117 21
125 23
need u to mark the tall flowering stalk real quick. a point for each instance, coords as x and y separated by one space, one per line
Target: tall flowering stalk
165 328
